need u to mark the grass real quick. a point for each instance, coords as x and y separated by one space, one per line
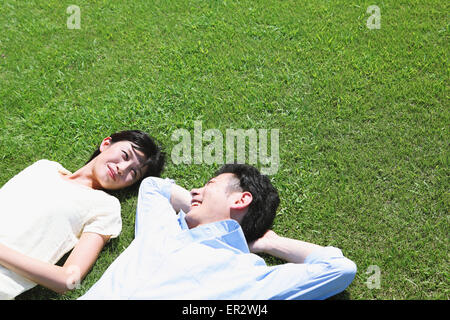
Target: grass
363 114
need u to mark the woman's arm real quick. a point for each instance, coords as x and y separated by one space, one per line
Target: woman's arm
56 278
290 250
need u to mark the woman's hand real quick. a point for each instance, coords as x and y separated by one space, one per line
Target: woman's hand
56 278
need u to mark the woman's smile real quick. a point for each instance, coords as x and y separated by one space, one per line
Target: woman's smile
111 172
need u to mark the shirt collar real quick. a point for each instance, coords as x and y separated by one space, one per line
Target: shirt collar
227 231
182 221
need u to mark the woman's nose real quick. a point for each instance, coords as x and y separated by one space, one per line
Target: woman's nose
122 167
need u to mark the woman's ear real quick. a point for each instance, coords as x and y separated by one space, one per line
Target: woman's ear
105 144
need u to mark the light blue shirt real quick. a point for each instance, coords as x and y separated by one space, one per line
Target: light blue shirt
167 260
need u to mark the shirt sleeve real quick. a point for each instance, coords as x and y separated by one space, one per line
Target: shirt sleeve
324 273
106 220
154 211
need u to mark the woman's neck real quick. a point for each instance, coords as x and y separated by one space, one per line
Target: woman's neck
83 176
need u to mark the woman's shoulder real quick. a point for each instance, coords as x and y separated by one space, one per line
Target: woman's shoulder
40 166
50 165
45 163
106 200
111 200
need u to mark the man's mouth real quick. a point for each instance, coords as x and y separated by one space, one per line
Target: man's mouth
195 203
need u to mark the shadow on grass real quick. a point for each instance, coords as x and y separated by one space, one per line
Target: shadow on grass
344 295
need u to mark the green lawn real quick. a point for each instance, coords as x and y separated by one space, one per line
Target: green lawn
363 114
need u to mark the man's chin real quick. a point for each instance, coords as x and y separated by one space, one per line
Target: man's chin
190 219
190 213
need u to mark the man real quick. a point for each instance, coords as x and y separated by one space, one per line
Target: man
204 254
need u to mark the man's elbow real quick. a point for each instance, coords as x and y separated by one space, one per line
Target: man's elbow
346 270
148 183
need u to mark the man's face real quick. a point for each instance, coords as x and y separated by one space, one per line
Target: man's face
213 202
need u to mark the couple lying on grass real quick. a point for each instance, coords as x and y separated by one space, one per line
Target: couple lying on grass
188 245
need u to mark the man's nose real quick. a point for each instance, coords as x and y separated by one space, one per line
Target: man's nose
195 191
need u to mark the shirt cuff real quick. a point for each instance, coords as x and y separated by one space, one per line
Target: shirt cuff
157 185
166 188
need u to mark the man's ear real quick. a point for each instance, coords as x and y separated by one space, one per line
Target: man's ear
105 144
242 201
240 205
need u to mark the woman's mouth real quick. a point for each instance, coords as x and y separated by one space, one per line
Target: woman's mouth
111 172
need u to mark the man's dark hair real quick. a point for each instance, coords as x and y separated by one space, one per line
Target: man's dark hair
143 142
261 211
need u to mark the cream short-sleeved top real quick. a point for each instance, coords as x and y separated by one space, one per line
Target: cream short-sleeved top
43 215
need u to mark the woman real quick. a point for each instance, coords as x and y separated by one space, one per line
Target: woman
45 211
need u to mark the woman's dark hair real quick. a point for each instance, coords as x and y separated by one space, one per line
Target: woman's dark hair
144 143
261 211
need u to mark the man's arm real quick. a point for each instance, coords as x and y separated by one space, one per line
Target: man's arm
154 209
290 250
314 272
180 198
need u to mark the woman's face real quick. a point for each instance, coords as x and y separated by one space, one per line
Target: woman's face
118 165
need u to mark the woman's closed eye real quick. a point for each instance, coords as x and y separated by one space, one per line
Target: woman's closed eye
134 172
